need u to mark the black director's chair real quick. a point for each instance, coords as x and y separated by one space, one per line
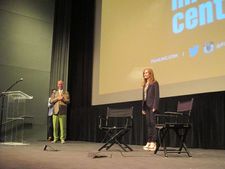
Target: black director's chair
179 122
116 124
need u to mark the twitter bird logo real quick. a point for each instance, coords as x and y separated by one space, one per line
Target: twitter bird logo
193 51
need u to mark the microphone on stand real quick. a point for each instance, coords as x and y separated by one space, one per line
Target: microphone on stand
21 79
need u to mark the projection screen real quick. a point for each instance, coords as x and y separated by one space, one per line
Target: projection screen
181 40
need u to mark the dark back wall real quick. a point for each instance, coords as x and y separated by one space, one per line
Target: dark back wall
208 114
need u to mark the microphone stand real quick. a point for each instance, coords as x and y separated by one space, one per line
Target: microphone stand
2 107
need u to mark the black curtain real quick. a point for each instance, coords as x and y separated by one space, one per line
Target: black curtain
208 113
80 69
60 44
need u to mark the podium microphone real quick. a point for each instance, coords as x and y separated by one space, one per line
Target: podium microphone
21 79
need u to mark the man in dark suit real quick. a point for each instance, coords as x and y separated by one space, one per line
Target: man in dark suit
60 100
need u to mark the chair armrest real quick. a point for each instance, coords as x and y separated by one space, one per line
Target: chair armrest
101 119
160 117
172 113
165 117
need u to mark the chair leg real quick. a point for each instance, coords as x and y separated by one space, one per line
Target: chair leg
161 141
124 146
111 140
188 153
115 139
184 141
158 142
104 146
107 134
182 138
164 141
128 147
120 143
108 142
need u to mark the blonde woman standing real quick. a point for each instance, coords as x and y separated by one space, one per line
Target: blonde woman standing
150 104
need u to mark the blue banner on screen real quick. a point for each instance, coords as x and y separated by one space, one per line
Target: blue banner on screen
195 14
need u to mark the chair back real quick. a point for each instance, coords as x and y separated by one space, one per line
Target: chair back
185 108
119 117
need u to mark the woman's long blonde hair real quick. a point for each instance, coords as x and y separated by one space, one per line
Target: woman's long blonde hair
151 79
